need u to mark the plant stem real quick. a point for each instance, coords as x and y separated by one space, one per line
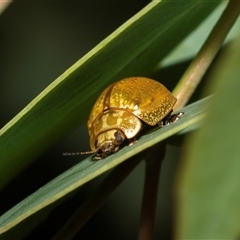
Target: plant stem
193 75
149 202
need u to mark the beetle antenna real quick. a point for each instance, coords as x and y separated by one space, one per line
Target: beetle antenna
77 153
88 152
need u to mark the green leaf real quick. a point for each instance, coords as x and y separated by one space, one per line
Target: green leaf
131 50
208 182
88 169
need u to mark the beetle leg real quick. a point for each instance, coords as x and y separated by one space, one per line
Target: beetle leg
161 124
132 141
171 118
99 156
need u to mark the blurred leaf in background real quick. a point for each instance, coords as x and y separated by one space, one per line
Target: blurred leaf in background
208 183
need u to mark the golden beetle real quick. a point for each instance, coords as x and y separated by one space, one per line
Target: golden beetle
123 108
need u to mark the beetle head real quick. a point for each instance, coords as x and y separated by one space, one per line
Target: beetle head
108 142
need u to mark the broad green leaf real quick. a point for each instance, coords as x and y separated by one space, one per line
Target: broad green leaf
88 169
133 49
208 182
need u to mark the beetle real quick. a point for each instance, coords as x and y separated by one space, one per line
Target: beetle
122 110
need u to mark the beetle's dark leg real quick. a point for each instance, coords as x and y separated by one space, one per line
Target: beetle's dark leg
132 141
161 124
98 157
175 117
171 118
